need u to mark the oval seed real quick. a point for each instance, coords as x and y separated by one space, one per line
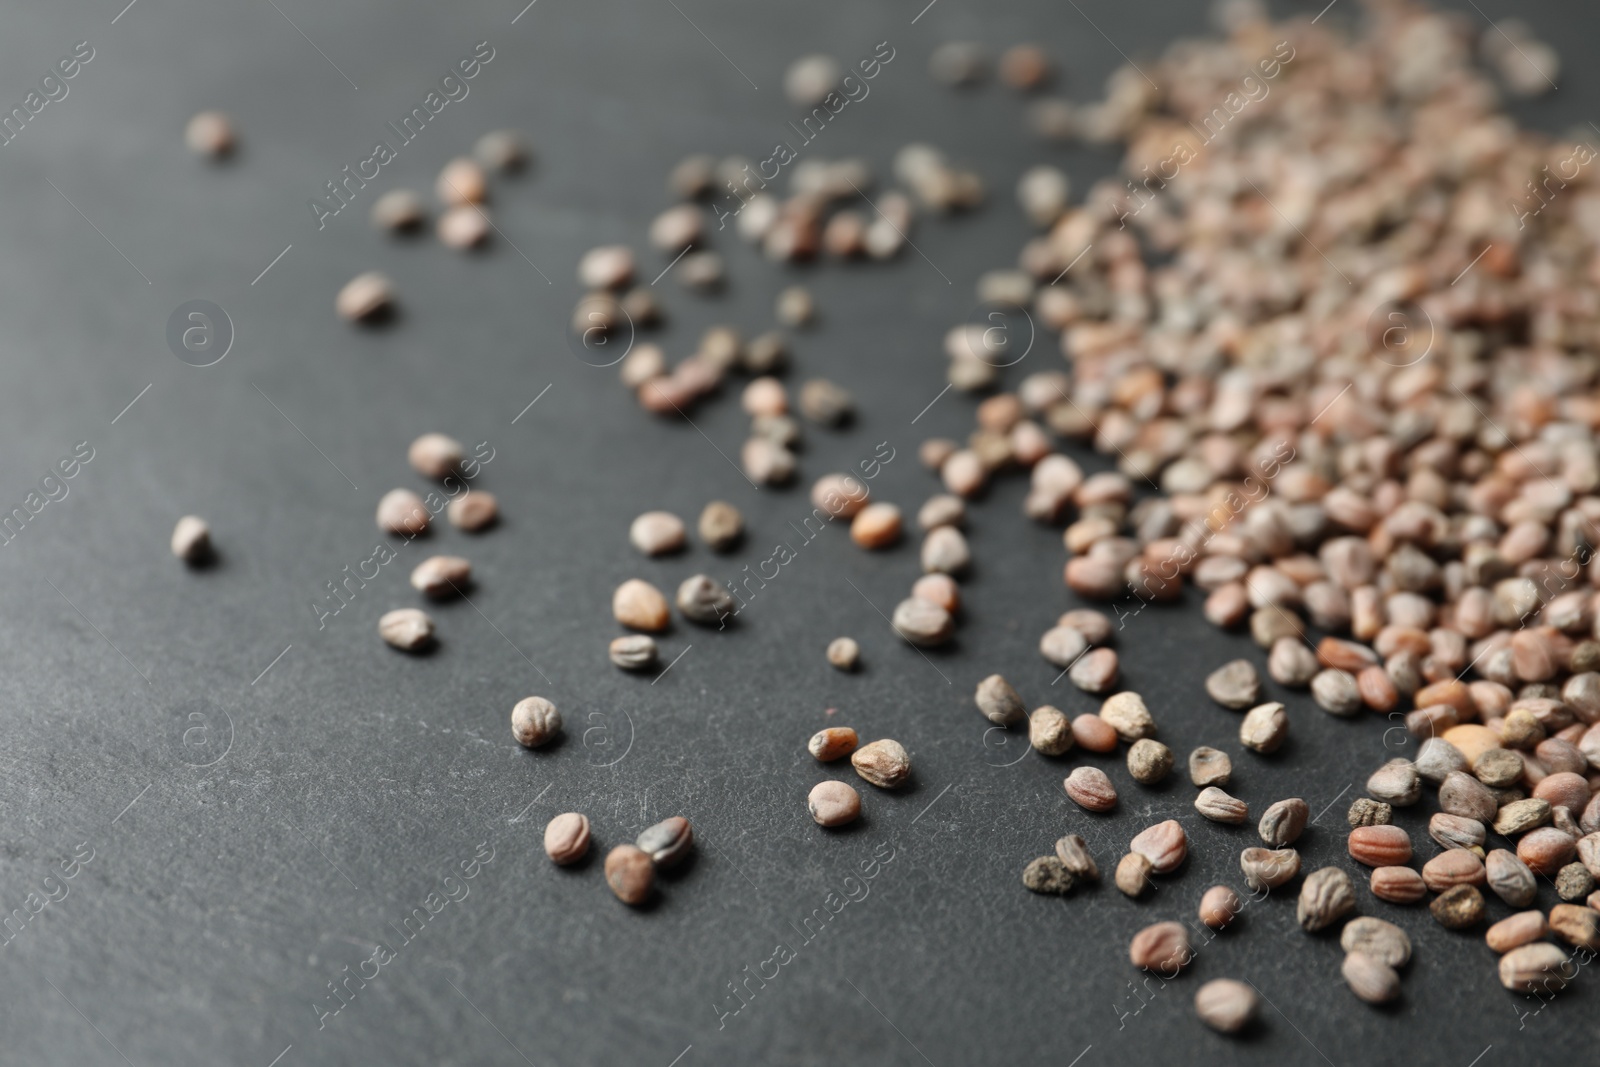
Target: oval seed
1397 885
1074 855
398 210
463 226
1284 822
1050 731
1165 845
923 622
844 653
1369 978
441 576
630 874
833 804
1225 1005
1209 766
1379 846
566 838
667 842
1218 806
364 297
1062 646
1090 789
1162 947
1268 868
721 526
876 526
502 150
945 551
461 182
832 743
475 511
1149 761
702 600
1517 930
1095 671
1235 685
1264 728
1219 906
999 702
407 629
191 540
657 533
839 496
1537 968
401 511
883 763
209 133
1133 874
1383 941
535 722
1326 897
640 605
1094 733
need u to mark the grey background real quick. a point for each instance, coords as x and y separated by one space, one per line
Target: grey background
352 779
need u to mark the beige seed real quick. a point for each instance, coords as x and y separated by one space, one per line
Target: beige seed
1577 925
833 804
883 763
407 629
839 496
535 722
1326 897
1264 728
641 606
1149 761
1133 874
657 533
1161 947
1538 968
502 150
1383 941
922 622
475 511
1062 646
191 540
1127 714
630 874
1268 868
1225 1005
1050 731
721 526
1165 845
461 181
940 589
401 511
606 267
1369 978
941 509
945 551
441 576
633 652
832 743
208 134
1209 766
462 227
566 838
1090 789
1219 906
1517 930
1284 822
398 209
844 653
999 702
876 526
1218 806
1096 671
364 296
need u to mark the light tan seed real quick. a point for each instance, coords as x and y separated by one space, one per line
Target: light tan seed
566 838
839 496
1209 766
1577 925
463 226
876 526
1370 979
1266 869
461 181
1090 789
1538 968
940 589
475 511
633 652
833 804
657 533
844 653
1215 804
640 606
922 622
1219 906
832 743
945 551
209 133
630 874
883 763
1225 1005
1062 646
398 210
721 526
1050 731
1126 713
1264 728
1283 822
1149 761
1096 671
441 576
1510 879
400 511
191 540
535 722
1383 941
407 629
1517 930
1326 897
1133 874
502 150
364 296
1161 947
1165 845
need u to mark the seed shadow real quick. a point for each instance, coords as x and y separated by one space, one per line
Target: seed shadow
384 318
209 560
680 870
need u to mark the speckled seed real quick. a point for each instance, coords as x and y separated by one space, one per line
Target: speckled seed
641 606
1458 908
844 653
945 551
441 576
657 533
1096 671
566 838
1216 805
1165 845
535 722
1539 968
1574 882
1284 822
1127 714
1516 930
1149 761
1379 846
1397 885
1365 812
1161 947
1383 941
364 296
833 803
191 539
1520 816
1209 766
1326 897
397 210
1369 978
999 702
1046 874
923 622
883 763
832 743
475 511
1090 789
401 511
1225 1005
461 181
633 652
208 134
667 842
1074 856
721 526
1219 906
407 629
1264 728
1577 925
1133 874
1050 731
1268 868
630 874
702 600
1234 685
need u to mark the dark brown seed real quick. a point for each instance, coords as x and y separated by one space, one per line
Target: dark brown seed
667 842
1574 882
630 874
1458 908
1074 856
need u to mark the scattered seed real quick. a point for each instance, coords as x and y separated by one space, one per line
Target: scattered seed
1162 947
1537 968
535 722
832 743
1266 869
400 511
1127 714
1094 733
941 509
1396 783
461 181
606 267
463 226
833 804
838 496
1264 728
502 150
1459 907
1574 882
407 629
825 403
1284 822
1365 812
721 526
1133 874
1090 789
191 540
1096 671
441 576
1577 925
633 652
923 622
702 600
1149 761
566 838
1517 930
657 533
944 551
844 653
1165 845
1219 906
1235 685
876 526
1216 805
209 134
1074 855
795 307
630 874
364 297
1209 766
1383 941
1369 978
1225 1005
1047 874
640 606
940 589
398 210
883 763
668 842
473 512
1050 731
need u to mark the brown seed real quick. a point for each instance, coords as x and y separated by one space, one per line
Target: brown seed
208 134
1161 947
1133 874
1326 897
1515 931
1397 885
407 629
441 576
1369 978
1452 831
999 702
1219 906
1165 845
1458 908
364 296
630 874
1096 671
702 600
839 495
844 653
401 511
1577 925
1049 731
535 722
1225 1005
832 743
833 804
1127 714
1510 878
641 606
435 455
1149 761
721 526
1264 728
876 526
1094 733
883 763
1074 856
1209 766
1396 783
1383 941
668 842
1537 968
191 540
1365 812
1090 789
1283 822
1218 806
473 512
1266 869
461 181
1379 846
1546 850
1047 874
1235 685
922 622
1463 795
1563 789
633 652
1452 867
566 838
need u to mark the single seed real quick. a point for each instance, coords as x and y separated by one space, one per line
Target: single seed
825 403
1149 761
940 589
191 540
1264 728
702 600
1397 885
400 511
1452 867
1096 671
1510 878
922 622
1235 685
795 307
1452 831
398 210
1090 789
1094 733
1165 845
1074 856
810 78
475 511
441 576
1133 874
1574 882
1515 931
630 874
657 533
407 629
633 652
1335 692
1365 812
1219 906
606 267
535 722
461 181
641 606
502 150
364 297
1463 795
463 226
1062 646
1284 822
1326 897
1577 925
566 838
1216 805
941 509
1379 846
1209 766
1050 731
883 763
1546 850
944 551
833 803
209 133
1127 714
838 496
876 526
1266 869
1537 968
1162 947
832 743
1291 663
667 842
1458 907
844 653
1383 941
1396 783
1225 1005
1370 978
721 526
999 702
1047 874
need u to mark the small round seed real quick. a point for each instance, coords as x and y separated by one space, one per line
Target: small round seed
1574 882
844 653
657 533
1165 845
923 622
1050 731
1047 874
876 526
441 576
209 134
535 722
1235 685
1397 885
1149 761
839 496
473 512
630 874
1326 897
1536 968
810 78
407 629
364 296
795 307
883 763
566 838
398 210
1219 906
1090 789
640 606
1225 1005
1284 822
833 803
1216 805
1133 874
1096 671
1266 869
1209 766
461 182
1062 646
633 652
401 511
1264 728
999 702
1162 947
1517 930
1383 941
667 842
463 226
1127 714
1369 978
702 600
945 551
1291 663
502 150
191 540
1074 855
1458 907
1546 850
721 526
940 589
1335 692
832 743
